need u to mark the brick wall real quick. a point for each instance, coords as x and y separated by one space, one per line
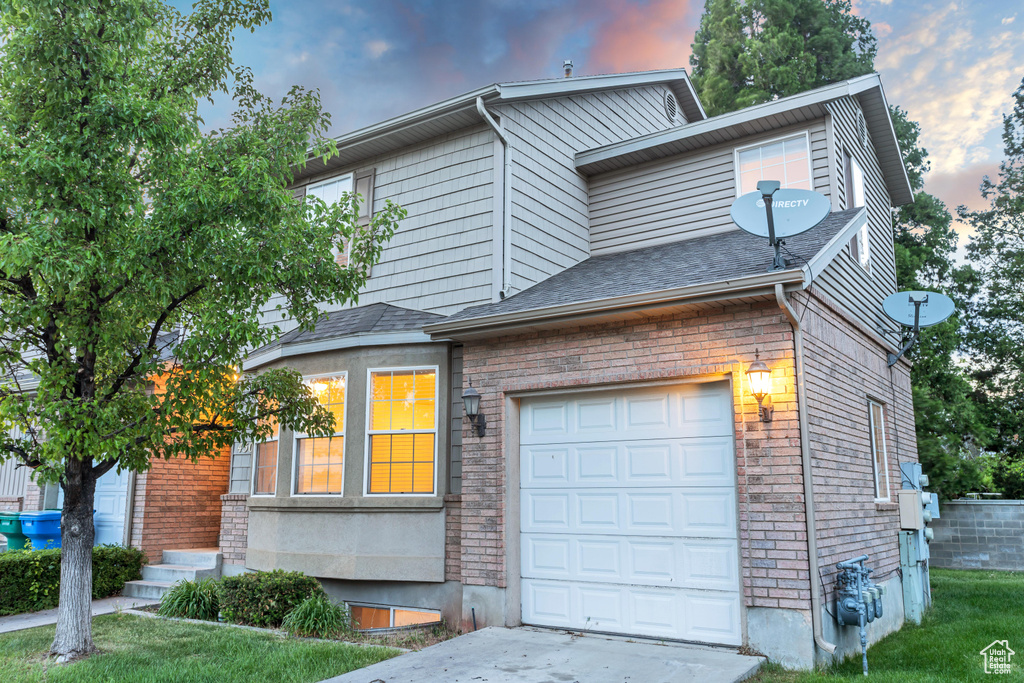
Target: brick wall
10 504
33 497
453 538
234 527
177 504
717 343
979 534
846 365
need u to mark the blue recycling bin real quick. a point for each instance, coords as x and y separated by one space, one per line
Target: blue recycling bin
42 528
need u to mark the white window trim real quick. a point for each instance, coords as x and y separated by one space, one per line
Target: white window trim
302 435
874 455
351 177
736 156
256 469
369 432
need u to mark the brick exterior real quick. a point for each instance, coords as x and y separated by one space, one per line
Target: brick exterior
234 527
10 504
844 365
33 497
177 504
453 538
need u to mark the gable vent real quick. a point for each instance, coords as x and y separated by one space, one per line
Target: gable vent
671 107
862 129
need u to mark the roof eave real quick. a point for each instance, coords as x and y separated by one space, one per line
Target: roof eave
338 343
711 291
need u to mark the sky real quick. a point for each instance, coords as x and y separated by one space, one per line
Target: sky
952 66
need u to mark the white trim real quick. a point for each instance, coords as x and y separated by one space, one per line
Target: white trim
367 432
302 435
336 344
781 138
874 455
835 245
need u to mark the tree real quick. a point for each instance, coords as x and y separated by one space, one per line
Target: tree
136 251
996 333
753 52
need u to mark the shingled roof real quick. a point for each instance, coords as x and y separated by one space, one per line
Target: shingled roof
721 258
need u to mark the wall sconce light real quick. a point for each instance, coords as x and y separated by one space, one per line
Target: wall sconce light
760 377
471 401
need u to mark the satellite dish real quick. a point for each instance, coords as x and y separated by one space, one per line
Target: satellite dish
903 308
793 211
916 309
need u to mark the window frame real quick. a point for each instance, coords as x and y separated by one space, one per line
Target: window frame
255 465
296 436
351 176
391 614
874 452
851 171
790 136
368 432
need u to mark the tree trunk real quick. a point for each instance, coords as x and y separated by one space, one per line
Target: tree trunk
74 612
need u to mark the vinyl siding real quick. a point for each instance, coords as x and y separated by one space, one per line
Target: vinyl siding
439 259
684 196
13 479
550 226
844 280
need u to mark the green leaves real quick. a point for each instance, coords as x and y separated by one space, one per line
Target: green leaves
138 255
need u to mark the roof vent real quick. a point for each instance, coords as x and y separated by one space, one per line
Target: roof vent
862 129
671 107
567 66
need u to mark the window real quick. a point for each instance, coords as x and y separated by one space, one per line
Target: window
402 433
880 462
331 191
265 481
853 177
319 461
786 160
241 468
365 617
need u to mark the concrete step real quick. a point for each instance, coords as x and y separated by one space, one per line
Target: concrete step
194 557
178 572
150 590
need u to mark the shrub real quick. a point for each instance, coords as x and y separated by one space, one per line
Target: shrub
264 598
318 617
30 579
191 600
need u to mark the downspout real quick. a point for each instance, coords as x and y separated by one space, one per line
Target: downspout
805 461
506 196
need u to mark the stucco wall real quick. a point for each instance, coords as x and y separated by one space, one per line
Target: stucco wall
979 534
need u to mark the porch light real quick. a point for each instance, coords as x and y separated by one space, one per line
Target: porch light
471 401
760 377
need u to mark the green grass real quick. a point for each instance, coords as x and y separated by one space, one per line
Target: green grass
145 650
970 610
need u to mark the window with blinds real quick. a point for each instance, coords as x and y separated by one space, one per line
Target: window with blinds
402 431
319 461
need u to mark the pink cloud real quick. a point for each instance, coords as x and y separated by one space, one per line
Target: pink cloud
640 37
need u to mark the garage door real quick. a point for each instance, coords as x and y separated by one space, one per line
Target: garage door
110 502
628 513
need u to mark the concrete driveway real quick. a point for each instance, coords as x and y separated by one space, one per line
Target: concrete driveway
526 655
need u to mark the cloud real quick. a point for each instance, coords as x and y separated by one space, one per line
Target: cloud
1008 20
636 37
377 48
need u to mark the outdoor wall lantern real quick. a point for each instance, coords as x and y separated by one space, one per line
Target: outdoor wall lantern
471 400
760 377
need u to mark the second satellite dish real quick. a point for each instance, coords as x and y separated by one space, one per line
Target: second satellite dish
794 211
903 307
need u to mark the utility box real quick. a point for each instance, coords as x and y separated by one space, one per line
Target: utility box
911 510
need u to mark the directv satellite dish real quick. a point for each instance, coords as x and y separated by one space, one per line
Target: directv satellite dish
779 214
916 310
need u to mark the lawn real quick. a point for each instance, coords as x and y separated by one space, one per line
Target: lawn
971 609
145 650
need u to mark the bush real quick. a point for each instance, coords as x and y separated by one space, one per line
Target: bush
30 579
264 598
318 617
191 600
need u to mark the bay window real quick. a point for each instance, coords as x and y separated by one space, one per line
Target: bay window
319 461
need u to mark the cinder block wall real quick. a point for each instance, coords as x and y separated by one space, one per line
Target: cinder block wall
979 534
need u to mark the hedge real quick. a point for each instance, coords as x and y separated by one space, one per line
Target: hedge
264 598
30 579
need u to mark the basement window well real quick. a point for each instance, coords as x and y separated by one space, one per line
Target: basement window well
373 617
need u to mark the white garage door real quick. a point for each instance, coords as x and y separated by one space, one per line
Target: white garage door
628 513
110 503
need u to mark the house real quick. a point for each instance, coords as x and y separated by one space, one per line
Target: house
569 253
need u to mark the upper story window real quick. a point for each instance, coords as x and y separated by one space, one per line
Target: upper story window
319 461
330 191
879 458
787 160
265 471
853 178
402 431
